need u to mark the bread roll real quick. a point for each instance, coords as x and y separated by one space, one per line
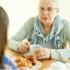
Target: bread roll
32 58
23 62
20 59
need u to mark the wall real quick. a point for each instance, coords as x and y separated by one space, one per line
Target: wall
20 10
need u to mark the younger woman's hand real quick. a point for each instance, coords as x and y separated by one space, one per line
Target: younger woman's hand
24 68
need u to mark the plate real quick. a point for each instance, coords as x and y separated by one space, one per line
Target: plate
37 66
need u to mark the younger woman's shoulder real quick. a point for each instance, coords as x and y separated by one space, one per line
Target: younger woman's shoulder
8 63
5 59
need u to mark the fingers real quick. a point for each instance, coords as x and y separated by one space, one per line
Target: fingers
37 50
24 68
42 57
40 53
27 43
44 52
24 48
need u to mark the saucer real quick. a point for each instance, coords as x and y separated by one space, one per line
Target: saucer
37 66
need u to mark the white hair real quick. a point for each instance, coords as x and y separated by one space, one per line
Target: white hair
56 3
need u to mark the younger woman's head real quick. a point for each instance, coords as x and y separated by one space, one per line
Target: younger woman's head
4 21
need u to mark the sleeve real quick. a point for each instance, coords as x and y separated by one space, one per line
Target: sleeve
63 52
68 32
60 53
12 65
9 65
15 41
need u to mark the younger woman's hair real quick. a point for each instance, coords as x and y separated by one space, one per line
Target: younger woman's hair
4 21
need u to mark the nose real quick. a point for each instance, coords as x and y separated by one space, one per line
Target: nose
45 12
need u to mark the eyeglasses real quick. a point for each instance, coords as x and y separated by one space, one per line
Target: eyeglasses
49 9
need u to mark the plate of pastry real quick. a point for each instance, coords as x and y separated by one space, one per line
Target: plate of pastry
30 62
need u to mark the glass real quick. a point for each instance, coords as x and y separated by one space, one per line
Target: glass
50 9
63 60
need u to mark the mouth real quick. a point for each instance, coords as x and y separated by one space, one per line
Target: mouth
45 18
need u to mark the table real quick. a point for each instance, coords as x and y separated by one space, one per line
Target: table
13 55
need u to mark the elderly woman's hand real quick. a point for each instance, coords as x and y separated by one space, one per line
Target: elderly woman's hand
24 48
44 52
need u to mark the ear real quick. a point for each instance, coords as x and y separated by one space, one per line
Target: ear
58 11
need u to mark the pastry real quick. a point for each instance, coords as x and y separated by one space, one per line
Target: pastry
20 59
23 62
32 58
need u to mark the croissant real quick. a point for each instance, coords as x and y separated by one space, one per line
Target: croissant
29 64
23 62
26 62
20 59
32 58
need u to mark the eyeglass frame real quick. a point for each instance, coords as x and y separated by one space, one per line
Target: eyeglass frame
42 9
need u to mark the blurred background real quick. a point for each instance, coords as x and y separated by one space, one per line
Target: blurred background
20 11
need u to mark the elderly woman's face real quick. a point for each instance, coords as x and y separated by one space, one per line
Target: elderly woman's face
47 11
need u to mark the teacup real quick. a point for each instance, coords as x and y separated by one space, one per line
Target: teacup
59 66
32 50
34 47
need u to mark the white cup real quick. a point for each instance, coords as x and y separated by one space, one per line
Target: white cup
32 50
34 47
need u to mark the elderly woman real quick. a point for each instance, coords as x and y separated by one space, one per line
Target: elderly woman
47 26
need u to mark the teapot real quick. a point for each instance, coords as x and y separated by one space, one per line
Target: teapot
59 66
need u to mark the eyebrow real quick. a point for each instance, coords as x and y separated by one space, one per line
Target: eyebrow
40 7
43 7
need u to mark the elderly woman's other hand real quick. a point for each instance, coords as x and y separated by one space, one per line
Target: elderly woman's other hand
24 68
24 48
44 52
